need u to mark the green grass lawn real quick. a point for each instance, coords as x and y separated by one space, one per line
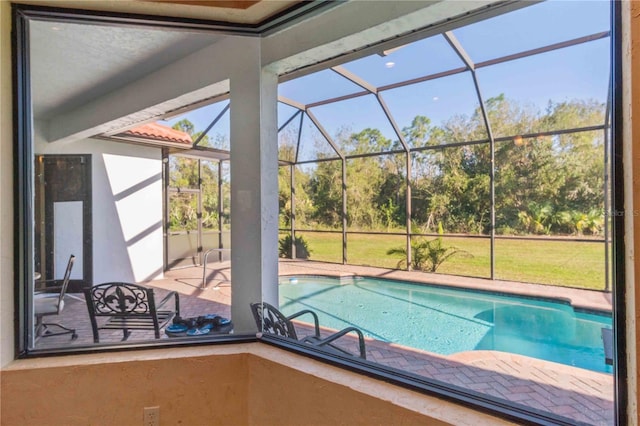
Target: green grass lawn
563 263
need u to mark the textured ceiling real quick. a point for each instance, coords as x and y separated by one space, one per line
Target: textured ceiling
72 64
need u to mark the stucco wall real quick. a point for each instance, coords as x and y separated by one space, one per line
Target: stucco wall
6 190
248 384
105 390
127 206
631 137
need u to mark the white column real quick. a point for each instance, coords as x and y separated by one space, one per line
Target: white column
254 187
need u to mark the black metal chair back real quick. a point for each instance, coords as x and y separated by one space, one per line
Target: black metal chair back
121 299
128 307
46 303
65 282
270 320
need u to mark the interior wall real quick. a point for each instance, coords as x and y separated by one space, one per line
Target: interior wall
314 400
631 138
248 384
6 190
196 390
127 206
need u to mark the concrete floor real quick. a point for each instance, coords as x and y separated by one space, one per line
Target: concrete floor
577 394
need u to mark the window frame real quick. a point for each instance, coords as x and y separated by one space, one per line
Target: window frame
24 169
24 232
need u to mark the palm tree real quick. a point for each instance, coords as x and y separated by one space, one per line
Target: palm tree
427 255
285 248
536 219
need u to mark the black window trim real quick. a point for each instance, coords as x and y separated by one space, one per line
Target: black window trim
619 301
476 400
23 235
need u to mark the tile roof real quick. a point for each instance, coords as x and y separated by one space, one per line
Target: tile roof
158 132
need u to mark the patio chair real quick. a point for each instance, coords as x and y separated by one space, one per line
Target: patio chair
52 303
128 307
270 320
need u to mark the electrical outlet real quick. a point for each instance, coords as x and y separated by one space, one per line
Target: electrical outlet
151 416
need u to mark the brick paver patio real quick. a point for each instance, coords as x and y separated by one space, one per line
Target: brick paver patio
580 395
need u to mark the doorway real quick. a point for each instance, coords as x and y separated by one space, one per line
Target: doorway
63 219
197 214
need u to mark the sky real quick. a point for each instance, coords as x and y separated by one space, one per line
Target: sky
577 72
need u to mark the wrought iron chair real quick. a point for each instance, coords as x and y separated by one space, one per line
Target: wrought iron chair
128 307
270 320
45 304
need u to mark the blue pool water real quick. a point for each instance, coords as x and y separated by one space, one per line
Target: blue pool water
447 321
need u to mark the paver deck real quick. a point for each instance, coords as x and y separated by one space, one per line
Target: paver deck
580 395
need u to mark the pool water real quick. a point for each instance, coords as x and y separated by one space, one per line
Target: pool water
447 321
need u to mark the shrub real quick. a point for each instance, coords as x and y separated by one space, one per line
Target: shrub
427 255
302 248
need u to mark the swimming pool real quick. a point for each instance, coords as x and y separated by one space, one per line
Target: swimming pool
446 320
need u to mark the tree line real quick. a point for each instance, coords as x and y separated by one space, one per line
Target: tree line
551 184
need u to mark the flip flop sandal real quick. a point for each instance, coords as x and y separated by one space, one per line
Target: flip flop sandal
182 321
176 330
187 322
220 321
209 319
198 331
207 325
